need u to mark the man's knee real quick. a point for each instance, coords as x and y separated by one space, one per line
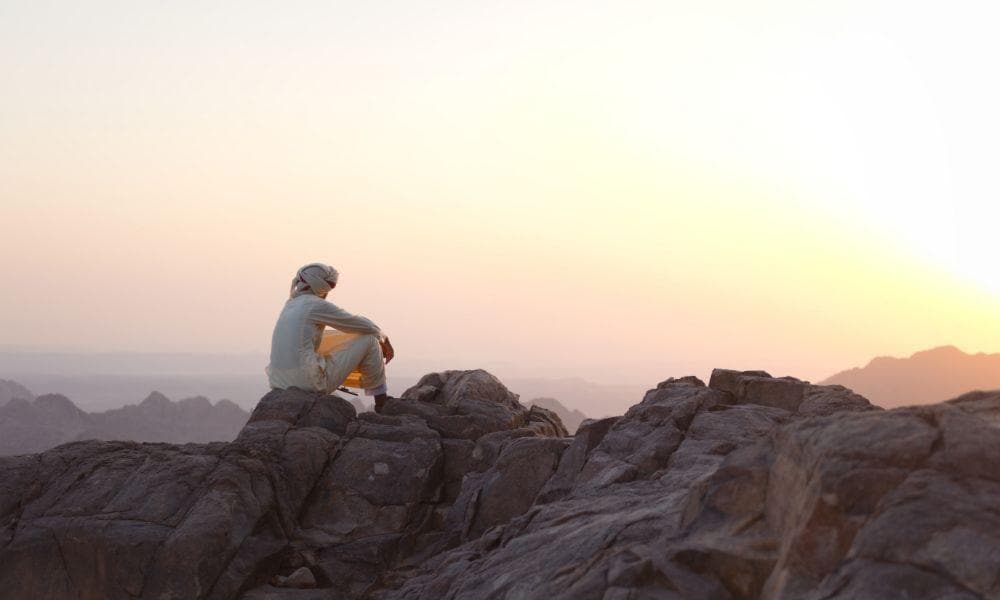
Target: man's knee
372 341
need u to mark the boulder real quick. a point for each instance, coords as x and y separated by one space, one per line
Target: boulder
757 387
301 408
381 478
149 512
507 489
461 404
301 578
545 422
570 418
588 435
823 400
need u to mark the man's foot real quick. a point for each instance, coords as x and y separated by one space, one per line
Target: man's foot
380 402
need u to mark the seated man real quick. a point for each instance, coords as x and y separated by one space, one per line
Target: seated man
361 345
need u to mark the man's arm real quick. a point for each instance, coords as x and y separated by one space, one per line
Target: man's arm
332 315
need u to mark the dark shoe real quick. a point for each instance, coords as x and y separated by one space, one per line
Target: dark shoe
380 402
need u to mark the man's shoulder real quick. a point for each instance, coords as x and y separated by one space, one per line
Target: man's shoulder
306 303
317 303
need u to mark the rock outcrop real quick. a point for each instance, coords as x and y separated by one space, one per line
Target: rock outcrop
307 483
749 487
570 417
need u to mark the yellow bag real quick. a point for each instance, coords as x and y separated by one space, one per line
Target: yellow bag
329 341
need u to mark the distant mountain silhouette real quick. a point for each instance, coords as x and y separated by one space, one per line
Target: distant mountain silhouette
926 377
12 389
570 417
597 400
30 426
158 419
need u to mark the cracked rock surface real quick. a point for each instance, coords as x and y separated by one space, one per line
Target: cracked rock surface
749 487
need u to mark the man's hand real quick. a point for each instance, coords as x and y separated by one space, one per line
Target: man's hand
387 351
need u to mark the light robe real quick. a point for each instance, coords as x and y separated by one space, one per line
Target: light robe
295 357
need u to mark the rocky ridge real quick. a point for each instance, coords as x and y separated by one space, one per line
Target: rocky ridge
752 486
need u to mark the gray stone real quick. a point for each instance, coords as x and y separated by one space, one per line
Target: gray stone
461 404
507 489
301 578
823 400
786 394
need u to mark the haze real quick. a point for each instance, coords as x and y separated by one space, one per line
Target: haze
619 192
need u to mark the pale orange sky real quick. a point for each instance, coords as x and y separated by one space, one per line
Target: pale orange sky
570 189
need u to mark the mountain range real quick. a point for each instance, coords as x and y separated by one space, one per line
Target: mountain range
37 424
596 400
925 377
12 389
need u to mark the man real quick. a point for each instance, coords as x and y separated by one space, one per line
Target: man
295 360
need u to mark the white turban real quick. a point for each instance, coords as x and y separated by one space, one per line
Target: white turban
314 278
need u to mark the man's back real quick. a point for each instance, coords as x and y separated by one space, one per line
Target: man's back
293 344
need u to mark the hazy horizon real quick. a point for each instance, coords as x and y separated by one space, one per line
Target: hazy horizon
106 381
82 362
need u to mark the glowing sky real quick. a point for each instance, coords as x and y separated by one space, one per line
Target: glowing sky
604 189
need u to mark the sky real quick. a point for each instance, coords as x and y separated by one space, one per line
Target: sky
617 191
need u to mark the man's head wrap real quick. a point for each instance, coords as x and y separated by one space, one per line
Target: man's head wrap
314 278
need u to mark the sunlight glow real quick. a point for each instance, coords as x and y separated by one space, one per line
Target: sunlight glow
793 185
